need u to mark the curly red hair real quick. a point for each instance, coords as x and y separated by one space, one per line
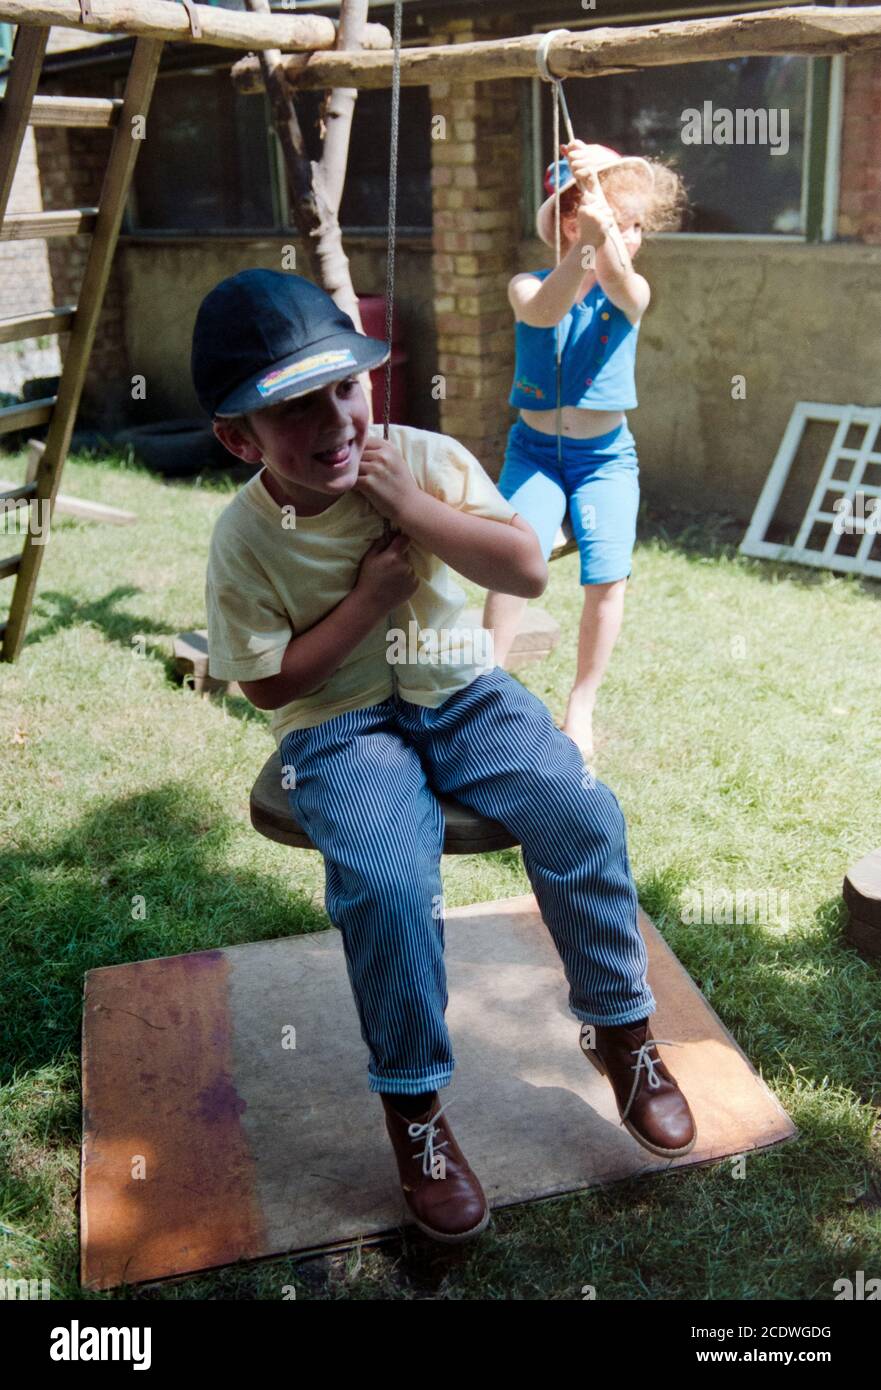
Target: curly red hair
664 210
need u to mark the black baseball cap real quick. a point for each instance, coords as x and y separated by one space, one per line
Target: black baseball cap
263 336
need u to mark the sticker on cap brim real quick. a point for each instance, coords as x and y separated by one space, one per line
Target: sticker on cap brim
300 371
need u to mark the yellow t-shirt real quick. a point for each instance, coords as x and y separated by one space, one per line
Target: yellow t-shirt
272 575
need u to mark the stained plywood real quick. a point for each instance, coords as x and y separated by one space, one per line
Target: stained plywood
252 1148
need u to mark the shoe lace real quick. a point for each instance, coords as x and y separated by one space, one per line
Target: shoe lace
429 1129
644 1060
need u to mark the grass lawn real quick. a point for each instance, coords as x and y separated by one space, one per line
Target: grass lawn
738 725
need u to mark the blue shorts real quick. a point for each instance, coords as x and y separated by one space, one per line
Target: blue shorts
599 482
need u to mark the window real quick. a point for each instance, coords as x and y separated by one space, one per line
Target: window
364 205
205 164
211 160
736 187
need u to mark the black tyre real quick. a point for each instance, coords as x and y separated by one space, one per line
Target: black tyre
175 448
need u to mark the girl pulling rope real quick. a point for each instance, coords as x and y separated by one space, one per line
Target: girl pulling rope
582 456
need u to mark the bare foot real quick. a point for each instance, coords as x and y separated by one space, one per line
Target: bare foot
578 724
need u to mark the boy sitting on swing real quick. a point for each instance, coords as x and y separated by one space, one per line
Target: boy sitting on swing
300 584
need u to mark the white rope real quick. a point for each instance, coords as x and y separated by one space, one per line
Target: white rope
544 72
559 100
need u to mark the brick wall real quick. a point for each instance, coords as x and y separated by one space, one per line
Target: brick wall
24 265
476 182
24 280
62 168
860 188
72 163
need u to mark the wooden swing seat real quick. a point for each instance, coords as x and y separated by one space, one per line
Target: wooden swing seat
466 832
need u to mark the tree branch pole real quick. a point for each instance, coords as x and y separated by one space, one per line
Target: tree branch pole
812 31
340 108
167 19
316 189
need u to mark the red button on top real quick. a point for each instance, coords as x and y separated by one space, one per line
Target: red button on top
604 338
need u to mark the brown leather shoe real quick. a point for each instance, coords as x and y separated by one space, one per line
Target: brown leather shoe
650 1103
441 1192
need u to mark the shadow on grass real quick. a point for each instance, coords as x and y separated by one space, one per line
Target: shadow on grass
101 613
74 906
123 629
717 535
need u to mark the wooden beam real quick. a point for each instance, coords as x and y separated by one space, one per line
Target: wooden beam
26 415
162 19
44 322
97 112
25 226
812 30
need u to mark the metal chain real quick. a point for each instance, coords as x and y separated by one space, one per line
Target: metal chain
557 254
392 212
390 262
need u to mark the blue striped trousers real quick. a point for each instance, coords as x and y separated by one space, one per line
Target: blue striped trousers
361 791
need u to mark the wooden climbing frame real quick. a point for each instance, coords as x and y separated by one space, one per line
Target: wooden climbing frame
20 109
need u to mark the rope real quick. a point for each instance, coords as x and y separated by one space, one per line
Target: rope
544 72
559 100
392 212
192 16
390 263
557 256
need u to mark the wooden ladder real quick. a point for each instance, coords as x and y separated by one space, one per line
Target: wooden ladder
19 109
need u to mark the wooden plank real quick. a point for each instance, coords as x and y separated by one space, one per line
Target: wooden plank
254 1148
117 179
25 226
14 492
74 506
811 30
10 565
95 112
71 506
47 321
26 415
27 60
166 19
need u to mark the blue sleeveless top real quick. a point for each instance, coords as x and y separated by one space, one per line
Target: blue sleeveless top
597 358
